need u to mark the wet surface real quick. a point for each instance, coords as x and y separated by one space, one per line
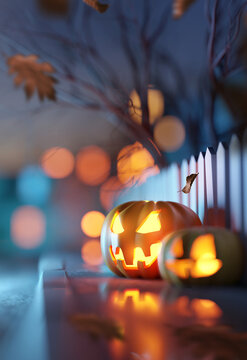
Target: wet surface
78 312
17 283
92 314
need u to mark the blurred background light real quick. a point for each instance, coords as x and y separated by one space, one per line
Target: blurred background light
58 162
33 186
156 105
109 191
28 227
91 253
134 164
93 165
91 223
169 133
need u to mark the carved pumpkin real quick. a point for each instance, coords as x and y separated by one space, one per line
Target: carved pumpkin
201 256
132 233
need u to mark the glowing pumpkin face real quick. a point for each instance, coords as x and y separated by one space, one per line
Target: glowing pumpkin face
201 256
132 233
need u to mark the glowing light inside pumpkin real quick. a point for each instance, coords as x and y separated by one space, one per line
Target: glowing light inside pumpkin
203 261
204 253
116 226
150 224
91 223
91 253
93 165
138 256
139 301
177 248
57 162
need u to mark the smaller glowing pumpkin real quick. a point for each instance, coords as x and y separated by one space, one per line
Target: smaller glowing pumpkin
132 233
201 256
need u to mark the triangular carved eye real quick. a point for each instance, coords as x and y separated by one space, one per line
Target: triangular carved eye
203 247
116 226
150 224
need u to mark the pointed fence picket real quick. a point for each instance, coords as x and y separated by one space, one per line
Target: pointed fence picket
222 185
219 193
235 177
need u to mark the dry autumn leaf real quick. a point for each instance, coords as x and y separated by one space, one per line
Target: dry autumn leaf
96 326
101 8
189 181
180 7
218 342
34 75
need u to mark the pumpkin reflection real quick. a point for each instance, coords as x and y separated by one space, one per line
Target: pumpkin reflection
140 302
203 309
139 311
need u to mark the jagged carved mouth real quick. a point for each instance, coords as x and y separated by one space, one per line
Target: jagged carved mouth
138 256
204 267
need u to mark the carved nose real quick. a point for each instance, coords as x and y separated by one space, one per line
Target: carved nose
127 249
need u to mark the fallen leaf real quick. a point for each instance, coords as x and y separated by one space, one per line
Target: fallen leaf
101 8
34 75
189 181
97 327
217 342
55 7
180 7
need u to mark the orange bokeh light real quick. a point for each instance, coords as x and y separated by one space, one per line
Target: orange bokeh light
109 191
135 164
91 223
169 133
57 162
91 253
28 227
156 105
93 165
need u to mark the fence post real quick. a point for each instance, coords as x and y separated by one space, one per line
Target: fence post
210 176
222 165
201 187
235 184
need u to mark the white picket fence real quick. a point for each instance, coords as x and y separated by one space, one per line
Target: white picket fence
218 195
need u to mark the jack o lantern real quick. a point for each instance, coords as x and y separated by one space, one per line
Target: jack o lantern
201 256
132 234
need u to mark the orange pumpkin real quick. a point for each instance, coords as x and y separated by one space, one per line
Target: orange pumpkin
201 256
132 233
